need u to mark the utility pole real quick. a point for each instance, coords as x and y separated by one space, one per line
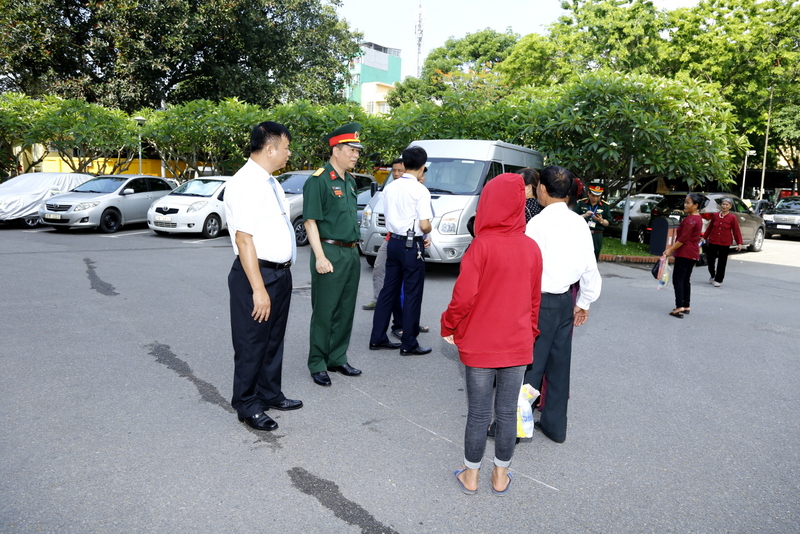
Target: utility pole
766 141
418 33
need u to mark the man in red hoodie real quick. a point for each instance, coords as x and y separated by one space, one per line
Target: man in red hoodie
492 319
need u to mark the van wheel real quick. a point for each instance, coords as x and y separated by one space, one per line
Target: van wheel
370 260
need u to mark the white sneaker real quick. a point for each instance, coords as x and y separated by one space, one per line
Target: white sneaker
711 280
717 284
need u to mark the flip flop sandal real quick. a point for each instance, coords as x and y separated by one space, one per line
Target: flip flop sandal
505 491
461 484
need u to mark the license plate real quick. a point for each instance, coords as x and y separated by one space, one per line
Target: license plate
165 218
783 227
52 215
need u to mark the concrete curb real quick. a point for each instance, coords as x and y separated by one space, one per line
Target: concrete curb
631 259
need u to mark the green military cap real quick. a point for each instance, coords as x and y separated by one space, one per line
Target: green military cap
349 134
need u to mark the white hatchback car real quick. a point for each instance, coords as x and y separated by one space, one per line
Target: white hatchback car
194 207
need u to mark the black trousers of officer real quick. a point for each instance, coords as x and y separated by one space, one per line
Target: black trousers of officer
258 347
552 356
405 269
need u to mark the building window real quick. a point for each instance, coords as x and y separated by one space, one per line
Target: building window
370 107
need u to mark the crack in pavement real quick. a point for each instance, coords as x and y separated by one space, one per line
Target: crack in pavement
208 392
104 288
329 496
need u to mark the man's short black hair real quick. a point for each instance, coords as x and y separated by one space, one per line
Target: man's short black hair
396 161
414 158
556 180
267 133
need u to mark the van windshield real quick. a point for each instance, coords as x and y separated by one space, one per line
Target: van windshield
449 176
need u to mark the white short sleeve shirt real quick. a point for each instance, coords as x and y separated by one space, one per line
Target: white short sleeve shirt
406 202
252 207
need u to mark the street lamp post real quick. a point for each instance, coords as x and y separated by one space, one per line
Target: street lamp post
140 121
744 171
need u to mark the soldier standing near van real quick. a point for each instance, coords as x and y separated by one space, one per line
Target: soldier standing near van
596 213
331 222
407 205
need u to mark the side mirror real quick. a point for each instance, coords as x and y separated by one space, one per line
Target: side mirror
127 191
373 188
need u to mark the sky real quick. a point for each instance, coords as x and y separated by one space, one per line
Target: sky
391 23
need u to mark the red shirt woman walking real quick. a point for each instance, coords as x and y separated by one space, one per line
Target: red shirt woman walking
687 250
723 230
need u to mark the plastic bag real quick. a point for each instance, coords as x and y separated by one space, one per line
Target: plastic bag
527 394
666 274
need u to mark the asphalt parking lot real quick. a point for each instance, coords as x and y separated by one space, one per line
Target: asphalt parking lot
116 369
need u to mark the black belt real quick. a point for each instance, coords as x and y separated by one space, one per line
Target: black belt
339 243
273 265
403 237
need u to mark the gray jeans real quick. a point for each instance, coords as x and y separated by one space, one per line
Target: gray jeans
379 271
479 394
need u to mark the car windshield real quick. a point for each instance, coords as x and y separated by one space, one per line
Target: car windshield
792 204
455 176
672 203
106 184
293 182
198 188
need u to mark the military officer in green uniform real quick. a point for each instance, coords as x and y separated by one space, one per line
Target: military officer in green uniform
331 222
597 213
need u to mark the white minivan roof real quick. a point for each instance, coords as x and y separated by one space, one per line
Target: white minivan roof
472 149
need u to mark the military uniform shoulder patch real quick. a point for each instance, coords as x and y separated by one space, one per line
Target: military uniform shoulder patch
319 171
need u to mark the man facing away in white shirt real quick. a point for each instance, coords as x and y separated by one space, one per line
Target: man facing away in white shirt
567 257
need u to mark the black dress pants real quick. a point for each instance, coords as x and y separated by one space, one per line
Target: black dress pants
258 347
405 270
552 357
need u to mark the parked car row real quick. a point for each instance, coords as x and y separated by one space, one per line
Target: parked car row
640 207
70 200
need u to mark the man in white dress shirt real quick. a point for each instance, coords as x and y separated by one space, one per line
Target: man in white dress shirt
567 257
260 281
407 205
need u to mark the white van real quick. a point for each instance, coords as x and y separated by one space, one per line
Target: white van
457 171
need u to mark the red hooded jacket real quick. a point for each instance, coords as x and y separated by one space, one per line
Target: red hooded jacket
494 312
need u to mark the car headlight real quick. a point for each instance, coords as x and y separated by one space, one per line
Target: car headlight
449 223
197 206
768 217
366 217
83 206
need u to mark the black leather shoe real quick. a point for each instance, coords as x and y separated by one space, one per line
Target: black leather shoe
387 346
259 421
346 369
416 351
538 426
285 405
321 378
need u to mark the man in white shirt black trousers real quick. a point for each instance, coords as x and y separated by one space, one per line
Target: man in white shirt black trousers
567 257
260 281
408 215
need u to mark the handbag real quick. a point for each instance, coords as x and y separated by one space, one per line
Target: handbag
655 269
702 260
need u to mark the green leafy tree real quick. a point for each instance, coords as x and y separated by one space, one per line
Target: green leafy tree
620 35
674 130
84 134
202 134
18 113
142 53
476 52
745 46
786 131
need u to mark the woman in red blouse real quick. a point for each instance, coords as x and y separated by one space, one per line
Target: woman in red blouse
687 250
722 232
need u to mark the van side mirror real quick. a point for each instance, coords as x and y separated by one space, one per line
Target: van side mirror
373 188
128 191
